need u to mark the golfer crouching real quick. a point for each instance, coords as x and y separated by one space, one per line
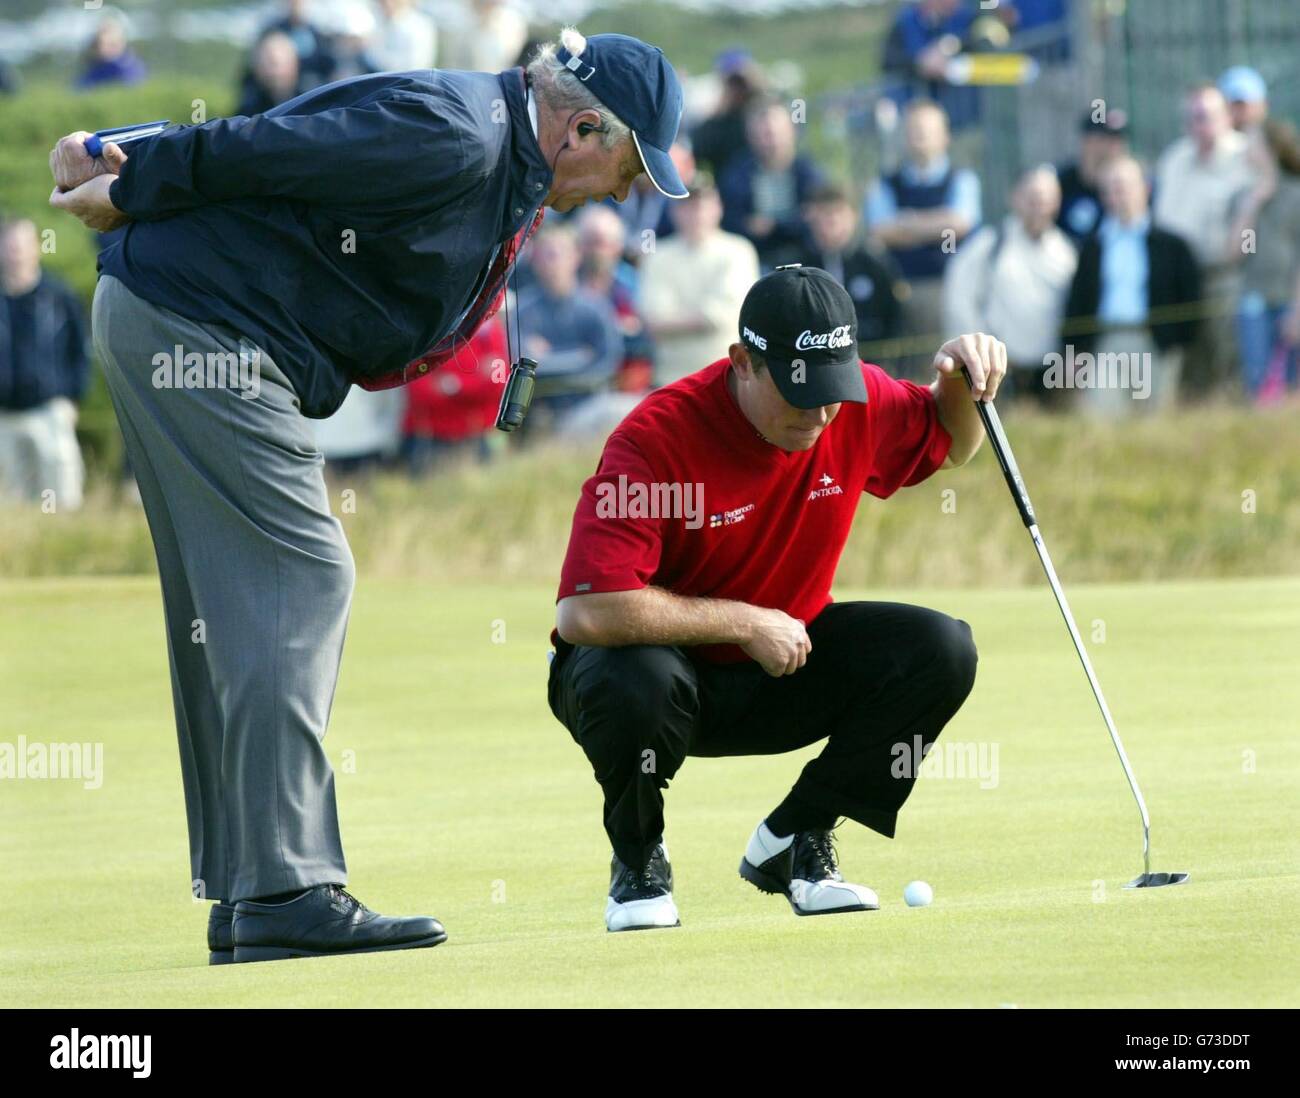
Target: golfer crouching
706 627
358 234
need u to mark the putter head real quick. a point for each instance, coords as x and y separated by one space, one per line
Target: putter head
1156 880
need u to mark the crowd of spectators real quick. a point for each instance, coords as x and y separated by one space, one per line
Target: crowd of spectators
1191 262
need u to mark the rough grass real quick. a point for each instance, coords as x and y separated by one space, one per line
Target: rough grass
1147 500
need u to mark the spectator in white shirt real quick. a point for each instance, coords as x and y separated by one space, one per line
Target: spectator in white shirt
1197 182
404 38
488 37
1011 280
693 284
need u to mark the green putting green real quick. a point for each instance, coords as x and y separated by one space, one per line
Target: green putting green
461 796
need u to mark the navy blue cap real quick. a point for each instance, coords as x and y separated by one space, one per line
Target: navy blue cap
636 82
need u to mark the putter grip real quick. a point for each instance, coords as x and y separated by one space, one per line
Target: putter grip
1006 459
124 136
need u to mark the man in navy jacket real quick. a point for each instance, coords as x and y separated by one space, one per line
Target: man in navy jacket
43 375
355 235
763 189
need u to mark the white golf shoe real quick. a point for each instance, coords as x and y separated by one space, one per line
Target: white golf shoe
803 868
641 900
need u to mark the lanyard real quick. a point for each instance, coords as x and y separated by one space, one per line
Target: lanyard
518 393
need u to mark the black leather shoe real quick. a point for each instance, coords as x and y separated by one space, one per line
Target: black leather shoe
221 941
324 921
640 899
804 868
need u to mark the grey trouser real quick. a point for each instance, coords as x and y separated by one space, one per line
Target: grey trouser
256 580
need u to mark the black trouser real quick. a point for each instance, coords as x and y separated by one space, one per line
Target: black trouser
879 675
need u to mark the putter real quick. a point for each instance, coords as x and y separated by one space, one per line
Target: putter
1011 472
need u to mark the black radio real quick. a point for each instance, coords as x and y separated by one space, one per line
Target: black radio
518 394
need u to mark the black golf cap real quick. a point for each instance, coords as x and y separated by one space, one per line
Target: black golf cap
1114 124
803 325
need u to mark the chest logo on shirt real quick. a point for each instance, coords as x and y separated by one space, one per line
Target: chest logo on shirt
730 518
828 488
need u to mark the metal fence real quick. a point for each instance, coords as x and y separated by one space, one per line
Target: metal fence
1156 48
1138 56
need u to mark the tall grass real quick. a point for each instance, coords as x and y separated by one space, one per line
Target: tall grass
1159 499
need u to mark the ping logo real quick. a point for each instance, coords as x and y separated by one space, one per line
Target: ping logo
757 340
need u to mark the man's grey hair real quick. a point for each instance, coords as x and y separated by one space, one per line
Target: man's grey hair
561 91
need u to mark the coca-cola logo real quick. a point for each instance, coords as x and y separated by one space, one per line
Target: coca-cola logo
826 341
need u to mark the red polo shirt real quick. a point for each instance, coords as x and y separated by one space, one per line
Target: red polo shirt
689 497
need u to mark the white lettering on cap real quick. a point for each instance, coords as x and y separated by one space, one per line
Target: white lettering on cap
757 340
830 341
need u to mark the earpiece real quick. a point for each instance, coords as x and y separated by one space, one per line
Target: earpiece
584 128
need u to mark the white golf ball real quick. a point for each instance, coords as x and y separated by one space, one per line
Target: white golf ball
918 894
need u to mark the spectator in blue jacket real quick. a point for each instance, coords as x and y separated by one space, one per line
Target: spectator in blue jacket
764 189
315 54
920 214
925 36
571 332
43 374
359 234
721 136
109 58
275 75
605 272
836 245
